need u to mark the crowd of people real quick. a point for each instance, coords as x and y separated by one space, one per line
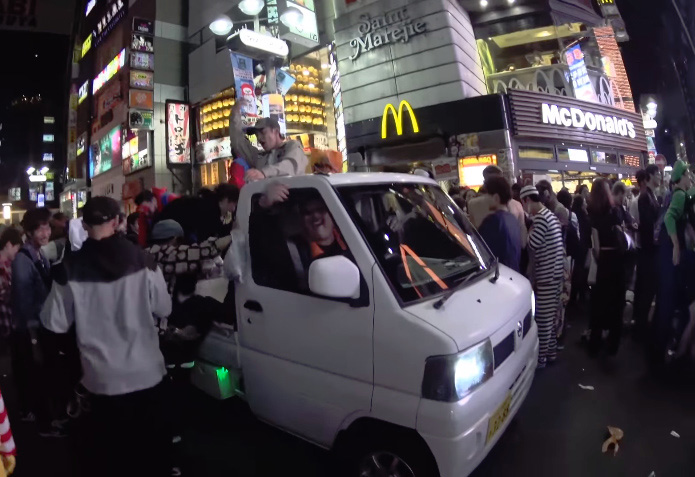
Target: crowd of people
600 243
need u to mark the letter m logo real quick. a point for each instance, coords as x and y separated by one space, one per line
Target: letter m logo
390 110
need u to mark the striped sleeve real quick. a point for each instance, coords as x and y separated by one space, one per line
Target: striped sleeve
7 446
536 237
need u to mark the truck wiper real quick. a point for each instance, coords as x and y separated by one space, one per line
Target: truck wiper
439 303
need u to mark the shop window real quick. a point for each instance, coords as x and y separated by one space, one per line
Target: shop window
601 157
631 160
289 236
572 155
534 152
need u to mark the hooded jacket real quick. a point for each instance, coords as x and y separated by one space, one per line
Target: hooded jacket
112 291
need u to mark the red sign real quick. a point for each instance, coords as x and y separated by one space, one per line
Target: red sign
178 133
660 161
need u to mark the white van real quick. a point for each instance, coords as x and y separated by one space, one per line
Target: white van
372 319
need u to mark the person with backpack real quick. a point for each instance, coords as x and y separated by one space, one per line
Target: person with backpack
672 290
31 344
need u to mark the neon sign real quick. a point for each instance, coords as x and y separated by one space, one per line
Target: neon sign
86 45
107 73
83 92
398 118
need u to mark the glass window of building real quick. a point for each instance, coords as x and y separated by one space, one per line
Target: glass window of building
603 157
631 160
536 152
572 154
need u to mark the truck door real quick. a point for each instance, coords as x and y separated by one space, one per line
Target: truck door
307 360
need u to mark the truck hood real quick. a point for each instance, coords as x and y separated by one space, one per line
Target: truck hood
476 311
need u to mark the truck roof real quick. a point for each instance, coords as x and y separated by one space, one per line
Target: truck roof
358 178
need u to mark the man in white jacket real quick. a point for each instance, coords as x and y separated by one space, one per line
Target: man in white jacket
111 291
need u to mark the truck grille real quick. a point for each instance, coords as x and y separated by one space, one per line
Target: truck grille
503 349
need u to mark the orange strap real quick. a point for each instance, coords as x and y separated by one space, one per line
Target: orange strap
405 249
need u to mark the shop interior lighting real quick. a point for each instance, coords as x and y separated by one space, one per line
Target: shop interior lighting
43 170
543 34
483 3
222 25
293 17
511 2
31 170
251 7
312 85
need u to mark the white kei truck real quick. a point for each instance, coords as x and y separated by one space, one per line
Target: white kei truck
373 320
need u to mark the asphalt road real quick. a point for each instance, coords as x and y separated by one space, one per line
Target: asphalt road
558 431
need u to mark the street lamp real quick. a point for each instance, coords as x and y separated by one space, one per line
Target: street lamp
31 170
251 7
292 17
44 169
222 25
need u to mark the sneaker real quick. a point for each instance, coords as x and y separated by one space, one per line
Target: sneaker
53 432
27 417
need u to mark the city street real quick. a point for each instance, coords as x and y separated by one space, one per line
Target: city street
558 431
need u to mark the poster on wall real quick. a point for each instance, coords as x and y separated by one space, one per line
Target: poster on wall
242 66
583 89
142 43
141 79
141 60
141 99
105 153
178 134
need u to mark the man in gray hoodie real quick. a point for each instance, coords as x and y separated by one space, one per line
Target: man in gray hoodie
112 291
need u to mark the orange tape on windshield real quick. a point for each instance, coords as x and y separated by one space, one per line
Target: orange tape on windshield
405 249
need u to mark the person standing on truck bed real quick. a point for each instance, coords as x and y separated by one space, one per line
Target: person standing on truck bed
279 157
545 240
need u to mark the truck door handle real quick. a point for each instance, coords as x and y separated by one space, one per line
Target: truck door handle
252 305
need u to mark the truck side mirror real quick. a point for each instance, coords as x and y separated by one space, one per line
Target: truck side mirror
334 277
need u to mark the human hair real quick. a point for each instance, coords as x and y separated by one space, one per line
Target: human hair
651 170
565 198
490 171
641 176
35 218
455 190
533 197
578 204
619 188
133 218
601 199
498 185
581 188
544 186
10 235
185 284
227 191
59 216
144 196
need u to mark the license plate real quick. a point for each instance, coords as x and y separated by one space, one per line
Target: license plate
498 418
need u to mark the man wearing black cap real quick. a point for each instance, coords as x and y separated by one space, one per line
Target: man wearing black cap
111 290
279 157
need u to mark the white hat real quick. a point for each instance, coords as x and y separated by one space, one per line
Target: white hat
527 191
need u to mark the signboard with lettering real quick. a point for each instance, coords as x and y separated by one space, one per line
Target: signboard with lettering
141 60
15 193
83 92
142 79
140 119
141 42
307 32
392 27
178 133
105 153
141 99
109 98
107 73
581 83
213 149
143 26
113 13
87 44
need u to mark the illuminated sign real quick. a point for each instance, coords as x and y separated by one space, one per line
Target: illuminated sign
37 178
15 193
141 119
106 153
41 201
575 117
142 79
141 99
115 11
605 2
86 45
49 120
142 43
178 133
398 118
83 92
143 26
48 138
471 169
81 144
306 32
90 6
257 45
47 156
393 27
142 61
107 73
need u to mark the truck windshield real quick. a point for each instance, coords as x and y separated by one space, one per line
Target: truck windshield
423 242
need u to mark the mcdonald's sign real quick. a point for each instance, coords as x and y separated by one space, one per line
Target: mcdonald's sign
398 118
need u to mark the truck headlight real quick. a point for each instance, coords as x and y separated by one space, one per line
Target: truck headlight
451 378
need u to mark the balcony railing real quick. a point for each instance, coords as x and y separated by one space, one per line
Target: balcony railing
554 79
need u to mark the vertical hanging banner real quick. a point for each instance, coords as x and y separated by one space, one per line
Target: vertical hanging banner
242 66
178 133
583 89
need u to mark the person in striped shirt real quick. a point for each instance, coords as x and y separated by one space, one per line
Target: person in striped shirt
7 447
545 241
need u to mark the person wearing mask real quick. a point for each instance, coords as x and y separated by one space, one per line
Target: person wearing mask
207 214
545 240
500 229
10 241
608 294
648 214
31 281
673 268
580 271
114 280
279 157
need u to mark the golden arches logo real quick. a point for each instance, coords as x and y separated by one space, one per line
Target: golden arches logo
398 118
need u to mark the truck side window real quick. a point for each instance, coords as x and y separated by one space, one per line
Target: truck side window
287 237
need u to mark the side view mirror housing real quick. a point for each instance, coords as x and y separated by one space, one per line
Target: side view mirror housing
334 277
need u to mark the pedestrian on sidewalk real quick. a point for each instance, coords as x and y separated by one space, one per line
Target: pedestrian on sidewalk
112 290
33 348
580 272
648 214
545 240
608 293
10 242
500 230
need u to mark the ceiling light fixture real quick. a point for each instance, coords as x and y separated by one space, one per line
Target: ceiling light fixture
251 7
292 17
222 25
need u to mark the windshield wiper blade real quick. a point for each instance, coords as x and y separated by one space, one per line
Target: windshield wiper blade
439 303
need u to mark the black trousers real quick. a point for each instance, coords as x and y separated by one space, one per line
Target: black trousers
125 435
608 300
645 289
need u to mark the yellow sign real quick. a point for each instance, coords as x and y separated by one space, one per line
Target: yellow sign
398 118
86 45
